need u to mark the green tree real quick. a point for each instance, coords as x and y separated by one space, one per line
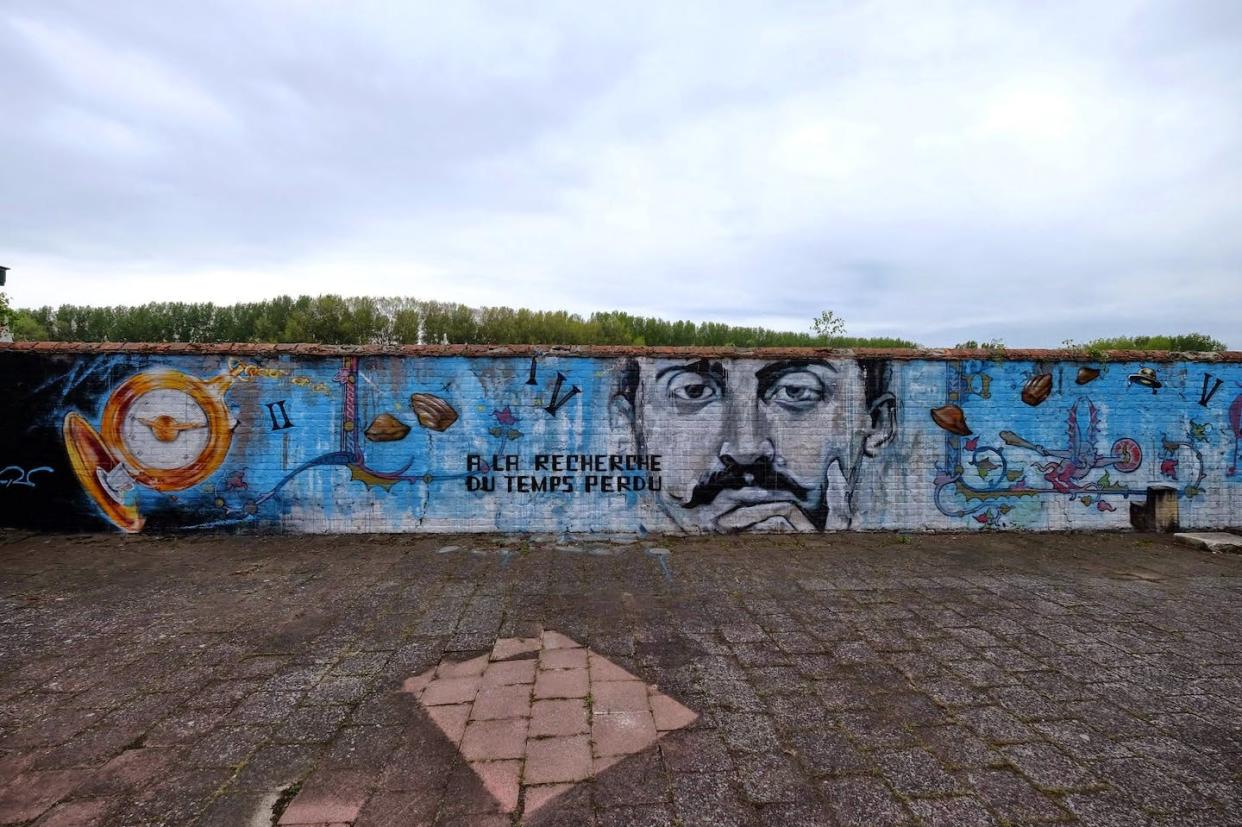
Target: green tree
25 327
405 326
1182 342
828 325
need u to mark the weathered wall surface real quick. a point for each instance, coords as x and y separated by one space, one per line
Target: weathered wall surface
312 439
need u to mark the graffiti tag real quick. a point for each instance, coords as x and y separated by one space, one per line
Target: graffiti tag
23 477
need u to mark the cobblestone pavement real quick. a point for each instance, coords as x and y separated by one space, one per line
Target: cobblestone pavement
848 679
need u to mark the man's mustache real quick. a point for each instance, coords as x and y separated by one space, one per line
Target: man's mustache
736 475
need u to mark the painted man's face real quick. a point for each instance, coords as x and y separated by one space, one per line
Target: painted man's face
765 445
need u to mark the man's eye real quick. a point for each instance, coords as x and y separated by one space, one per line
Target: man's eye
798 390
692 388
799 393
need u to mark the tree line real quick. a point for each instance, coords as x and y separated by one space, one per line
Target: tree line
1181 342
365 320
400 320
1178 342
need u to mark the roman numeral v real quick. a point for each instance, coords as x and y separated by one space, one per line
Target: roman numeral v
557 400
1205 395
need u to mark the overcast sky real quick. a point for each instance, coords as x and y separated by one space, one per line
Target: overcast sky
1032 171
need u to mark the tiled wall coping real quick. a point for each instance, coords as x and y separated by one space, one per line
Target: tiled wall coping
607 351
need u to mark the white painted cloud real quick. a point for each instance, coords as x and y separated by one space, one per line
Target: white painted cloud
938 170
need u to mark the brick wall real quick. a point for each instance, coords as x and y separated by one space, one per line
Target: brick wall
304 438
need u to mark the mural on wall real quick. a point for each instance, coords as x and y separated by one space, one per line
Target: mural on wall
161 429
1007 480
428 411
167 431
621 444
1235 428
771 445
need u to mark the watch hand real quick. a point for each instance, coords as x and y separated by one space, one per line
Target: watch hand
166 429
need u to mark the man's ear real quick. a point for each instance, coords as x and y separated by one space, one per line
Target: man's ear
883 424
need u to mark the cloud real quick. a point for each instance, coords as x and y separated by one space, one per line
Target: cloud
935 170
115 78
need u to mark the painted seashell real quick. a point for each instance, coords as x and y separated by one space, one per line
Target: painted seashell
1147 378
951 418
1037 389
386 428
1086 374
433 412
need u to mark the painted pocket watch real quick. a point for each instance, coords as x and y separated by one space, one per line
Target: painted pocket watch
161 429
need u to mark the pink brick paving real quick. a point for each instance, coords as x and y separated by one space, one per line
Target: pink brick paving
539 715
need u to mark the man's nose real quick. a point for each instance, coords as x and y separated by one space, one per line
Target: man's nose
747 441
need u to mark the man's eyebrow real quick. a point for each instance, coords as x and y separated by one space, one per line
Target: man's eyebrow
770 373
712 370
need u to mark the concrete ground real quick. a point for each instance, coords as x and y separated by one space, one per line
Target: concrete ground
848 679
